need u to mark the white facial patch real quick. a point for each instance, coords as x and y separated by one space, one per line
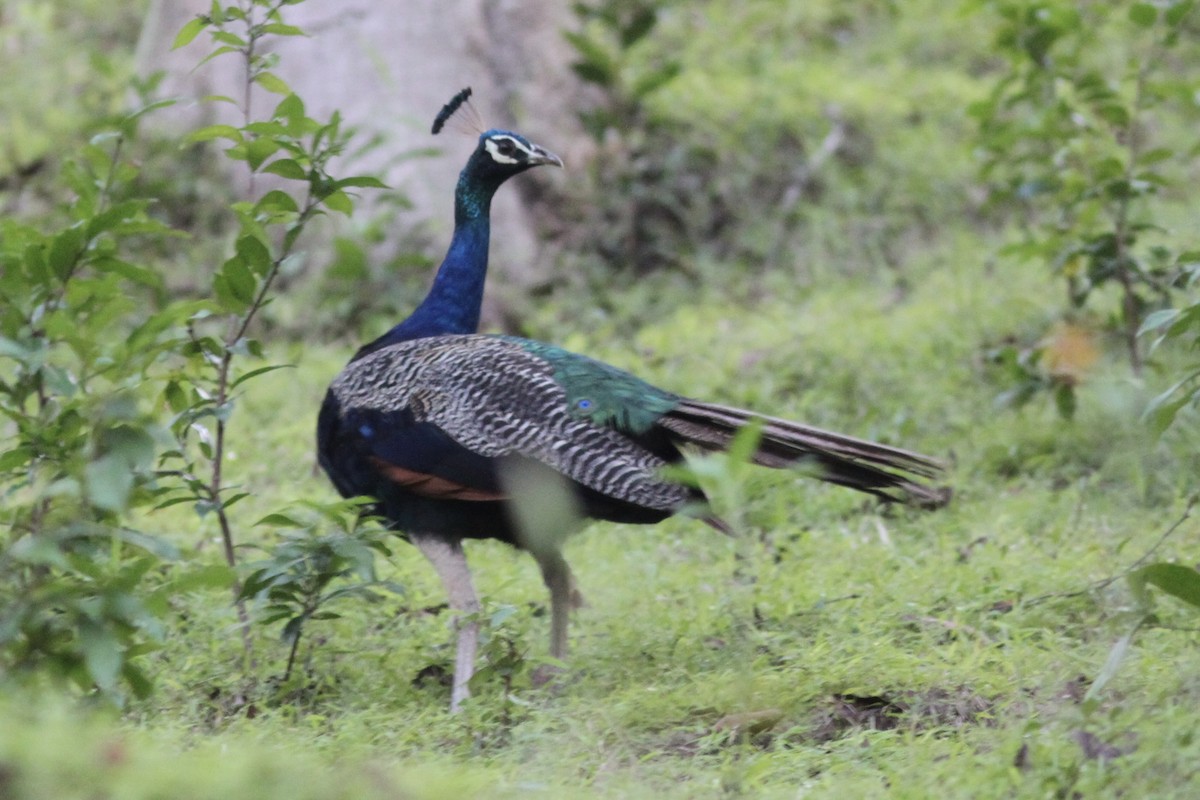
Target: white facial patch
493 147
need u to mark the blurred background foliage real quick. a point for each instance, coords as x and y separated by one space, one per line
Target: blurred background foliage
75 60
789 138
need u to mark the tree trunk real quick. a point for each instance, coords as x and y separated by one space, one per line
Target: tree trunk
388 66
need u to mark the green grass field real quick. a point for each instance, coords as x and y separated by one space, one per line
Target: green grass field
833 649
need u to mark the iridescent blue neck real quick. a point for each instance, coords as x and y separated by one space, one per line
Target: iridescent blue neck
453 303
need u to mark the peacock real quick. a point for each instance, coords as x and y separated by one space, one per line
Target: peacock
457 435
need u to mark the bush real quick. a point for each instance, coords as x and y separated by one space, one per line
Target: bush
117 397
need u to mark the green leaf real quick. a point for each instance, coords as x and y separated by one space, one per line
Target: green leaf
642 23
230 40
240 280
132 272
279 520
254 373
1177 580
290 108
1158 319
254 254
210 576
1065 400
363 181
14 350
211 132
272 83
1161 411
231 300
1155 155
1116 656
259 150
65 252
40 550
14 458
189 32
109 482
592 73
139 684
161 549
1177 11
109 219
175 501
653 81
101 653
1143 14
287 168
596 66
1115 114
220 51
280 29
229 501
338 201
269 128
291 630
59 381
745 442
277 201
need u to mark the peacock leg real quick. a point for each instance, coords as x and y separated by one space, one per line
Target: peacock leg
563 597
450 562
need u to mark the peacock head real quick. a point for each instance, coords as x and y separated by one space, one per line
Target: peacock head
499 155
502 154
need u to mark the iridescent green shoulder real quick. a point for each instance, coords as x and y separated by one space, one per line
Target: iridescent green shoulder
602 393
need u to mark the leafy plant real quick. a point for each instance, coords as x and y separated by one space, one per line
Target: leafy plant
288 144
1176 580
316 562
658 190
644 229
1180 325
664 188
116 398
1074 139
504 659
81 438
84 53
1056 365
610 31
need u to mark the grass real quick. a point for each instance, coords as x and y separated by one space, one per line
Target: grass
895 652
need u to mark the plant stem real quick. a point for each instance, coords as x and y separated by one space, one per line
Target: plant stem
1121 225
216 484
287 672
1111 579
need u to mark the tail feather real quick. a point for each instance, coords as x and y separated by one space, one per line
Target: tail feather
843 460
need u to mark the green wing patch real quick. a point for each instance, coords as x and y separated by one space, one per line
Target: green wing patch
601 393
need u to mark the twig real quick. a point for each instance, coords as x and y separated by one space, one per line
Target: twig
1098 585
1121 225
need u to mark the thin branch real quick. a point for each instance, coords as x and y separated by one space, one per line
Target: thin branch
287 672
1111 579
1121 222
216 484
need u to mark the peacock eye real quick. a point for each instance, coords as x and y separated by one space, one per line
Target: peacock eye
584 405
505 147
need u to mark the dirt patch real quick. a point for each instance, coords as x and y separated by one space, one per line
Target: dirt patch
1096 749
844 714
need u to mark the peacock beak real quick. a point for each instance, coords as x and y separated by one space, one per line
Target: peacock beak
541 155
